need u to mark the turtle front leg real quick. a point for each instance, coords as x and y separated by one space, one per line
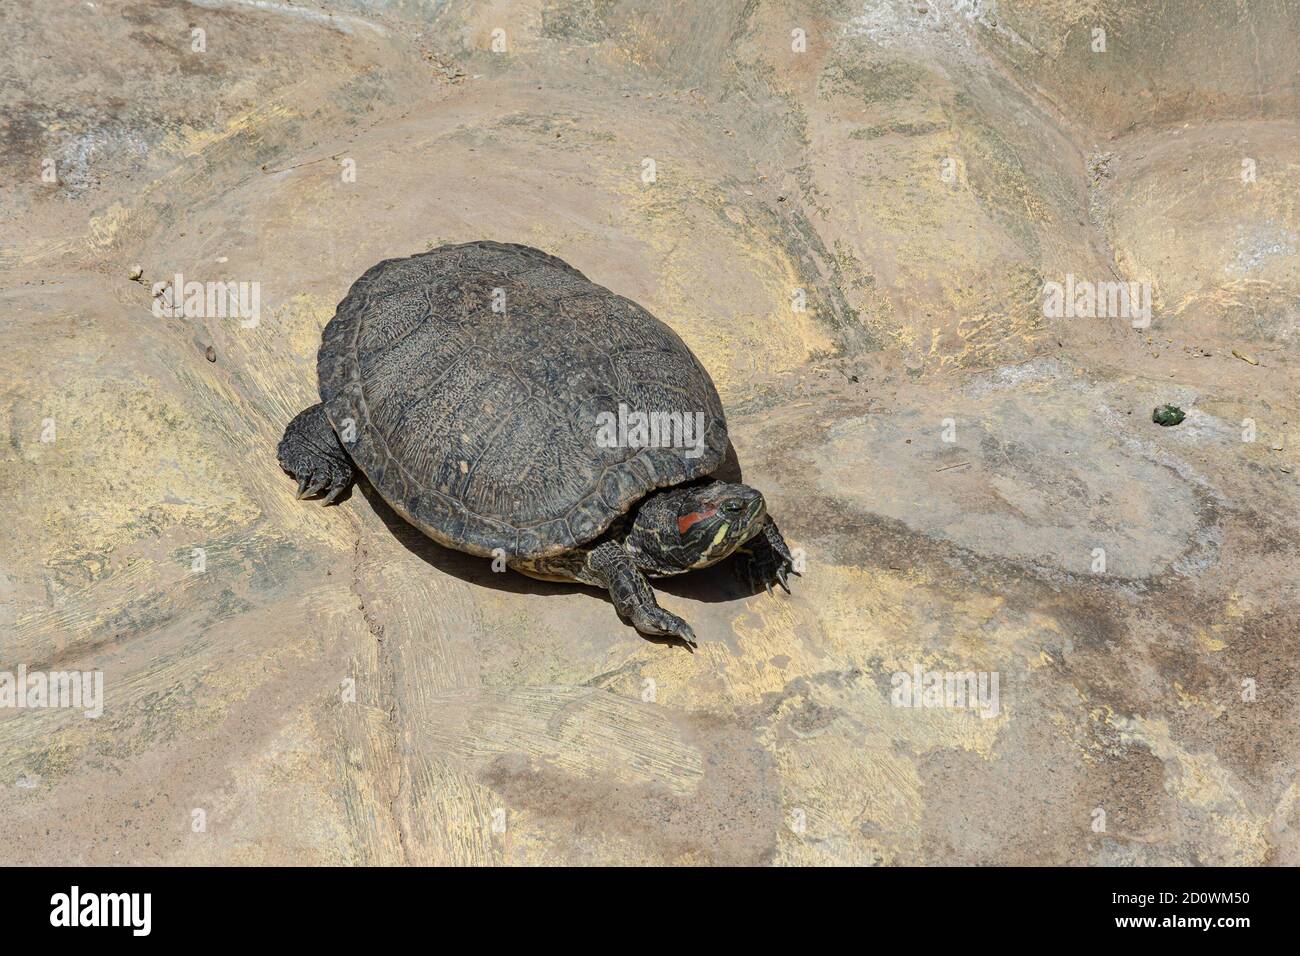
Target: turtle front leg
613 567
766 558
312 453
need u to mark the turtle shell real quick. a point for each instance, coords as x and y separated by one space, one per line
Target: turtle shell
481 388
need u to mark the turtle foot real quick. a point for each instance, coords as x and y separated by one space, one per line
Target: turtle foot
766 561
661 623
311 453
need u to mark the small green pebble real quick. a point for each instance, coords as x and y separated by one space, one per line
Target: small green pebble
1168 415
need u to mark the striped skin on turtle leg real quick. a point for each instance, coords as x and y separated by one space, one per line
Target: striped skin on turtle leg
766 558
635 599
310 451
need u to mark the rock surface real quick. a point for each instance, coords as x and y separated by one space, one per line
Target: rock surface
849 210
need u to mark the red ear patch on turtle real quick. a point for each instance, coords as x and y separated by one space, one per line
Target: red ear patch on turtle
685 522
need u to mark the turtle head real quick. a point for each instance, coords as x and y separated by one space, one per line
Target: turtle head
696 526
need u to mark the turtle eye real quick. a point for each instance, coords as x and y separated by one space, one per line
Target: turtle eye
733 507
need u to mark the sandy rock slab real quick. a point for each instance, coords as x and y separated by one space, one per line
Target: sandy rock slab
1033 626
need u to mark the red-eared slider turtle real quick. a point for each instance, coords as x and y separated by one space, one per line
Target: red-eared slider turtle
508 406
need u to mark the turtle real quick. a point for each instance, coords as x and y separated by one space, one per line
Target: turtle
509 407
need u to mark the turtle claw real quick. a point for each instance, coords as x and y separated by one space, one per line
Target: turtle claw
330 480
687 637
318 483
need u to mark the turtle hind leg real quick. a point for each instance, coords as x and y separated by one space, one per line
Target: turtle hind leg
612 566
311 453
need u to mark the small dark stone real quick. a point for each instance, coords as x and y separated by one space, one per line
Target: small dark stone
211 353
